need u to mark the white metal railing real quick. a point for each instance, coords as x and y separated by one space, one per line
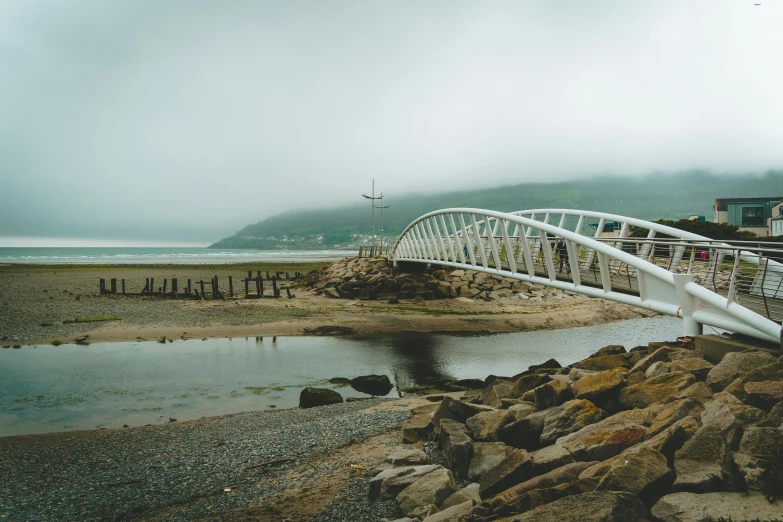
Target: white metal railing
736 287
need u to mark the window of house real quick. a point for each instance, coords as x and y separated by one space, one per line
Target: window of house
752 216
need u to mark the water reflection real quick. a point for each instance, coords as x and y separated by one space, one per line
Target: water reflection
48 388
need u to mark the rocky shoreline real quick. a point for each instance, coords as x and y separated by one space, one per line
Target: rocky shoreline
370 279
654 433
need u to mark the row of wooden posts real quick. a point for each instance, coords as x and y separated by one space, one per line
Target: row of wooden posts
214 287
372 251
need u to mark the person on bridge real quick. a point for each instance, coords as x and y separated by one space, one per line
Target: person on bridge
562 252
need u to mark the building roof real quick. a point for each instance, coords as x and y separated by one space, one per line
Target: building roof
720 203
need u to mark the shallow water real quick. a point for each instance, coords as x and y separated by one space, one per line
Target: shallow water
47 388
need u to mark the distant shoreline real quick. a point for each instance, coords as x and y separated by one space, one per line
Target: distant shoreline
189 256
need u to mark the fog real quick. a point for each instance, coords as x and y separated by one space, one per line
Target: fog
183 121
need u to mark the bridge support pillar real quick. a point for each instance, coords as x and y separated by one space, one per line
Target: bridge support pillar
688 305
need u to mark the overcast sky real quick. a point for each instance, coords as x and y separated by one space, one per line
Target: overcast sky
162 120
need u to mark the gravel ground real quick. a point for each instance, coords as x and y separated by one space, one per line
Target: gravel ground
179 471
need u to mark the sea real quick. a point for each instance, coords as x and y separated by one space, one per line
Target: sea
159 255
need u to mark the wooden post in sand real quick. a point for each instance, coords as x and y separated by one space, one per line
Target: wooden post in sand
202 288
174 287
188 292
230 286
152 285
113 285
101 285
275 291
146 286
165 284
123 287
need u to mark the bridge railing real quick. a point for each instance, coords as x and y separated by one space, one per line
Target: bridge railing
742 283
747 273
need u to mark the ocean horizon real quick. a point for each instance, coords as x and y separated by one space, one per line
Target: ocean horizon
159 255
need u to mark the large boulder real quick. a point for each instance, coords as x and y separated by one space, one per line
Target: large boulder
641 470
733 365
759 459
376 385
598 506
655 390
769 372
312 397
699 392
671 439
656 369
703 464
454 409
730 416
550 364
406 457
570 417
518 499
598 387
528 383
606 438
552 394
672 412
520 411
389 483
416 428
605 362
661 354
497 390
486 455
469 492
432 488
695 365
485 426
450 513
774 418
526 432
693 507
611 349
764 394
515 468
550 458
457 446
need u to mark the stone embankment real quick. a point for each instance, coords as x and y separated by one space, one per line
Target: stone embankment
357 278
654 433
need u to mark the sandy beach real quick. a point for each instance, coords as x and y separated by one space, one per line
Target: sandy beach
36 300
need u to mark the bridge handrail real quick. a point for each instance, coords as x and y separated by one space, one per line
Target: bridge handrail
631 260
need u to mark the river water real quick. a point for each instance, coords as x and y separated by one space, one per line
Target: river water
46 388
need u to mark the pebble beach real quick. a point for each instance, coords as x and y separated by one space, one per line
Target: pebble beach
233 467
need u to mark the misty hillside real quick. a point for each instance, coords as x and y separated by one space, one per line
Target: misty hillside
657 196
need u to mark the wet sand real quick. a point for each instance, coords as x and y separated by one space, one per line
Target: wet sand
35 301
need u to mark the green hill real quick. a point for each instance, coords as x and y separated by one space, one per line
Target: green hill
652 197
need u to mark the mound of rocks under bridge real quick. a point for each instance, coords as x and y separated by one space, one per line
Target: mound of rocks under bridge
654 433
374 278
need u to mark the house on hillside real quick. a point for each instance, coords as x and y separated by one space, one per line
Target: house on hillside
751 214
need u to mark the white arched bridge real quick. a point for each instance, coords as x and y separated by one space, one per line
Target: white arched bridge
737 287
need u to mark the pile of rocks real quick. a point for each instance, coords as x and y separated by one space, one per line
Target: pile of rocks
366 278
654 433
